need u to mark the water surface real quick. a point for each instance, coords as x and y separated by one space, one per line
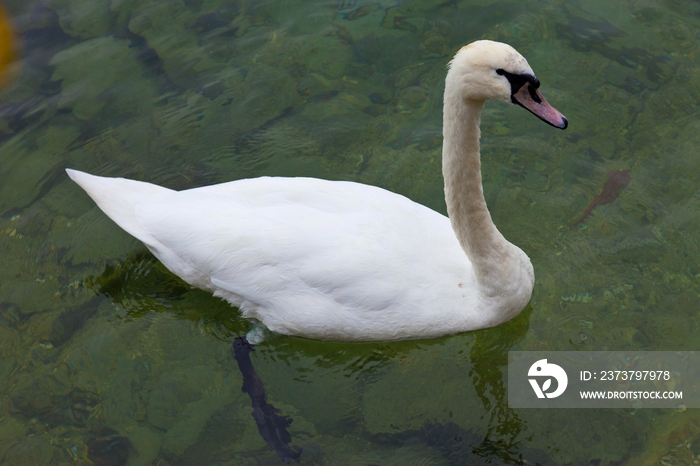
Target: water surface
103 350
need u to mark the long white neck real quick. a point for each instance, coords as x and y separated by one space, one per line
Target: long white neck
493 258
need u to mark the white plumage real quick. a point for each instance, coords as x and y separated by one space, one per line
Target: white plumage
337 260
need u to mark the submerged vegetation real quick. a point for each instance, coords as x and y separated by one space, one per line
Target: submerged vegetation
107 358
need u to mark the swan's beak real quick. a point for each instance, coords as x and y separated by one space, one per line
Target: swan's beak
531 99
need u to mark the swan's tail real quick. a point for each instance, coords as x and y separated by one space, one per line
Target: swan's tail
117 197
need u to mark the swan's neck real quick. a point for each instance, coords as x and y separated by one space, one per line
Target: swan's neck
492 257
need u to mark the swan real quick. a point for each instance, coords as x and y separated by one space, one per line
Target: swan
338 260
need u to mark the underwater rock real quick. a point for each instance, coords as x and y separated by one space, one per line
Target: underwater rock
427 137
39 397
413 98
360 11
528 27
601 37
111 451
86 20
32 95
46 183
83 404
405 396
150 61
587 35
65 326
640 248
386 52
394 18
641 253
464 447
434 41
167 401
12 316
164 27
93 69
380 98
34 451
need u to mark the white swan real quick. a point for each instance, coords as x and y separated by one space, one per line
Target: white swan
335 260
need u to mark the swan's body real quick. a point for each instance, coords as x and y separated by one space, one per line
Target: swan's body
346 261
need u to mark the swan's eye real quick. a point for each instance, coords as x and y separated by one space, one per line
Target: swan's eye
500 71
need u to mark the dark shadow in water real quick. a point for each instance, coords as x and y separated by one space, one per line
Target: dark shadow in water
141 284
272 426
489 355
460 447
109 450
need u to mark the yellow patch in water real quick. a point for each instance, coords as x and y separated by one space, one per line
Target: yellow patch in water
8 47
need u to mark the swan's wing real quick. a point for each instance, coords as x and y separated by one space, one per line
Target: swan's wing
305 252
117 197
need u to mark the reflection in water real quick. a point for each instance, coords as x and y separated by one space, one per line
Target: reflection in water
272 426
192 93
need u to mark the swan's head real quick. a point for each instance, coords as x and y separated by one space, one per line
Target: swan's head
486 70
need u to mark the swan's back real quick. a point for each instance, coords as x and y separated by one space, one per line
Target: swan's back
321 259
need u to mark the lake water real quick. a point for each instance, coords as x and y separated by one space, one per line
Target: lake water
106 358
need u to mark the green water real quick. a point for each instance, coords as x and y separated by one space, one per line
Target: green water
98 342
